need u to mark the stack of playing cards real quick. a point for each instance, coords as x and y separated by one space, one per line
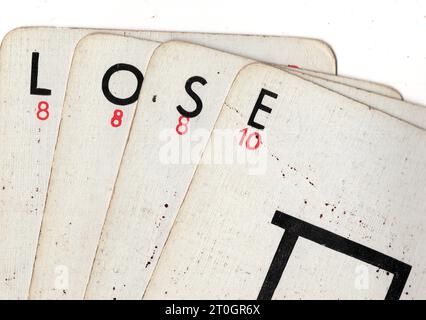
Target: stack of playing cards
170 165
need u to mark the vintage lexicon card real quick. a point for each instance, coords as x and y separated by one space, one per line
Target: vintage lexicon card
371 86
34 64
335 209
176 111
410 112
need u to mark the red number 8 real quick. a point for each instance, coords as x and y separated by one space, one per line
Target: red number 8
249 138
117 118
43 112
183 125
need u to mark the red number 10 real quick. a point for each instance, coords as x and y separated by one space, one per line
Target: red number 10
249 144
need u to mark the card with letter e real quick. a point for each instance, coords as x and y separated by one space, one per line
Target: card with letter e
34 65
180 101
335 208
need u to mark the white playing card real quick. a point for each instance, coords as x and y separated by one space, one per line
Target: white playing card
34 65
337 212
409 112
357 83
152 182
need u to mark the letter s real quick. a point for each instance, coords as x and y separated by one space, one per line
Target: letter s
194 96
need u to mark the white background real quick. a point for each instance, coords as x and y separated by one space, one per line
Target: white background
383 41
